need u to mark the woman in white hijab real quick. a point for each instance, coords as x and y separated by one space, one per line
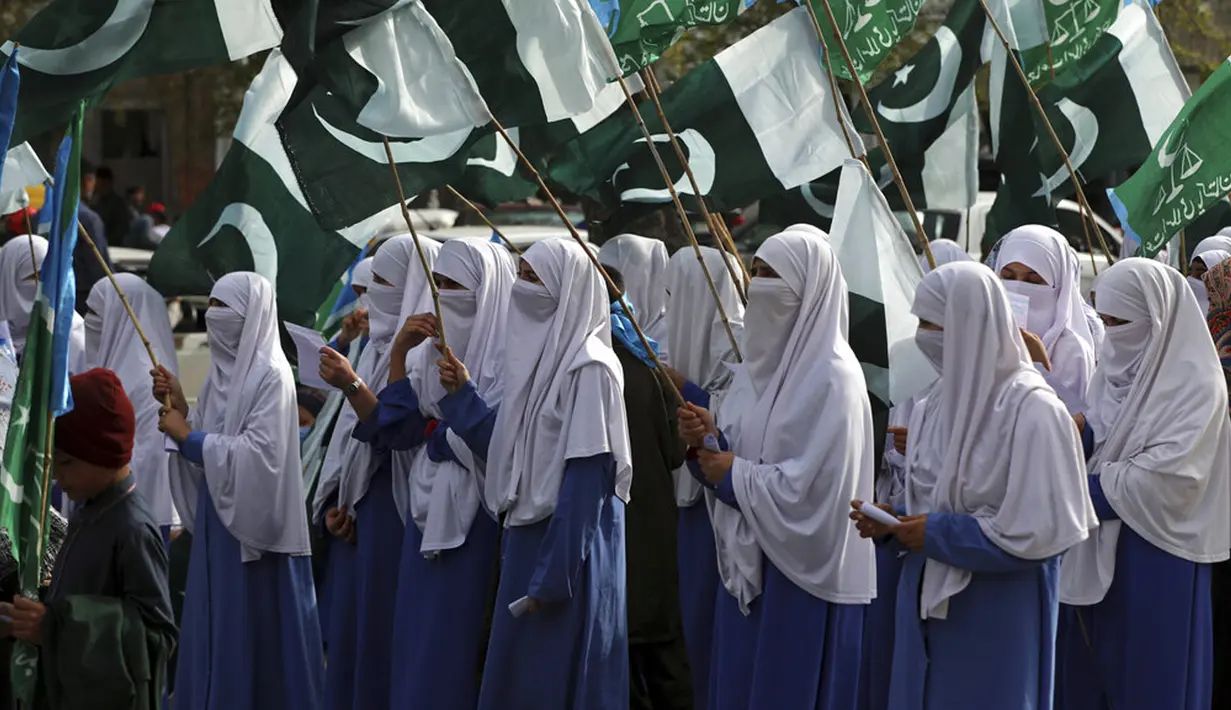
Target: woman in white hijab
558 474
365 519
795 431
113 343
249 635
1209 253
643 262
18 286
1036 262
355 324
1138 633
945 251
703 356
995 493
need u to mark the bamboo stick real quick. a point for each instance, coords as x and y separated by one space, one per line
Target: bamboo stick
453 191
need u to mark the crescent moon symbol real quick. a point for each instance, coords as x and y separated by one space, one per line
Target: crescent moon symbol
817 205
248 220
504 162
938 99
108 44
432 149
701 159
1085 126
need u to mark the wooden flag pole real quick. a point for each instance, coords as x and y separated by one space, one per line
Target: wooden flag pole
30 240
149 349
1086 212
833 85
880 135
654 91
414 234
453 191
572 230
1184 255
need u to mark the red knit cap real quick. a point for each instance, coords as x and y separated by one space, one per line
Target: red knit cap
101 427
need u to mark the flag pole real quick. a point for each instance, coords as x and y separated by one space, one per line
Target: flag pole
427 270
833 85
679 206
453 191
720 238
30 240
880 135
572 230
1086 212
1184 255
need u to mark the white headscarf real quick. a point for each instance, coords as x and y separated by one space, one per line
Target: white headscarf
798 419
361 277
17 292
1158 408
991 439
112 343
563 386
350 463
1057 311
1218 241
247 407
701 350
443 498
1211 258
945 251
643 263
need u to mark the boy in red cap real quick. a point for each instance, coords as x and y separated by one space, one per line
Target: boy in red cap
105 627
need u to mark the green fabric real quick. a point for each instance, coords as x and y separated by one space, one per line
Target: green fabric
870 31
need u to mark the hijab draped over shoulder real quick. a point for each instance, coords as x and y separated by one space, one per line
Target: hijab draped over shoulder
797 418
643 263
247 408
563 386
1158 409
991 439
18 290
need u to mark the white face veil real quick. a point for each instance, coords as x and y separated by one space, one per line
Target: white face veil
643 263
563 388
696 337
361 277
17 285
990 439
1158 408
112 343
247 408
798 419
443 498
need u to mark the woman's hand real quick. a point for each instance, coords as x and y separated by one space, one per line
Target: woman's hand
172 423
335 369
167 385
911 532
339 524
695 423
899 438
453 374
1079 420
867 527
353 327
715 465
414 331
1034 345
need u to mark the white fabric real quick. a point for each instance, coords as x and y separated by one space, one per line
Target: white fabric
563 386
1158 408
445 497
991 440
802 434
701 350
944 251
112 343
643 263
1057 311
361 277
247 408
1211 258
17 292
1218 241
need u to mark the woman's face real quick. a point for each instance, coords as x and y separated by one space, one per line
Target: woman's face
1017 271
444 283
525 272
1197 269
762 270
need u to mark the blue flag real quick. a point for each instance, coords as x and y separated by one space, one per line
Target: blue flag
56 279
10 81
42 224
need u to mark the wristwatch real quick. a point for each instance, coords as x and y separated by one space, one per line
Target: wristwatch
353 387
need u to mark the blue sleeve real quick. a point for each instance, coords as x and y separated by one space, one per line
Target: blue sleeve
343 350
1101 506
438 448
470 418
725 491
193 448
956 540
1087 440
693 394
397 423
587 485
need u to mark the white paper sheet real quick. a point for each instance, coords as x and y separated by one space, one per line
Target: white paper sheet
1021 308
878 515
168 444
519 607
308 344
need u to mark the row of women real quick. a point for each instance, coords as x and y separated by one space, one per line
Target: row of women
1060 491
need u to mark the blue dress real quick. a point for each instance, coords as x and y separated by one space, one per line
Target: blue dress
249 635
573 653
438 620
699 583
996 649
793 650
878 631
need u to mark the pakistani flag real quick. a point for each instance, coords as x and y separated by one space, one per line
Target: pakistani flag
78 49
870 29
1073 26
641 30
1110 107
757 119
1188 172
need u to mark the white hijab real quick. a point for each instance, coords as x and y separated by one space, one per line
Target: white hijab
945 251
361 277
1158 407
443 498
701 350
991 439
248 409
17 292
643 263
1211 257
563 386
1057 311
798 419
112 343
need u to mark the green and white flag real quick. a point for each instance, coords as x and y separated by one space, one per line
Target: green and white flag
22 169
78 49
641 30
1188 172
757 119
1073 27
869 28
